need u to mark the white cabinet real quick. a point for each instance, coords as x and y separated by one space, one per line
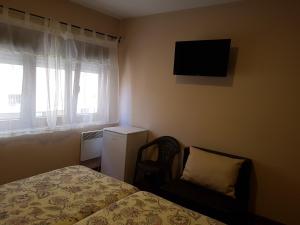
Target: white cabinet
120 149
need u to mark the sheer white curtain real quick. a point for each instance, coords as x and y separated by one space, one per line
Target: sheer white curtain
51 78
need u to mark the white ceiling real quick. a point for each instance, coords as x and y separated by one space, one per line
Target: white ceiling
134 8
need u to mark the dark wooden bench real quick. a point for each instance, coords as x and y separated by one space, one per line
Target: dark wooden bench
209 202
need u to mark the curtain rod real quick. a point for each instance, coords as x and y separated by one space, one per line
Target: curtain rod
64 23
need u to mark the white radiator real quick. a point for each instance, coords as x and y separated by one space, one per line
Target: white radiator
91 144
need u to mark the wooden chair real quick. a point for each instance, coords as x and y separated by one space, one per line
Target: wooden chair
150 174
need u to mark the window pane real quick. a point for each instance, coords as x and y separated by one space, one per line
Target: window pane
50 91
11 78
88 95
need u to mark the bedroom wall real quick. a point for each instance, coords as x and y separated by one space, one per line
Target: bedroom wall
33 154
254 112
28 155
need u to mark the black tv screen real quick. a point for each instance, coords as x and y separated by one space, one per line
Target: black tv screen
202 58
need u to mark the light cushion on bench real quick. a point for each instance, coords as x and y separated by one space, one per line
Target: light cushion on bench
213 171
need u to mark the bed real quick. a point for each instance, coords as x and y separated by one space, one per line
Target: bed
144 208
81 196
59 197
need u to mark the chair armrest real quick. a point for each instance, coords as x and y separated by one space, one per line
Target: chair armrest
143 148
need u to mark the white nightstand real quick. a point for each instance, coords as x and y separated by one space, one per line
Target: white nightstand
119 153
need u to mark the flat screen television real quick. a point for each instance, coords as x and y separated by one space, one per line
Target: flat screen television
202 58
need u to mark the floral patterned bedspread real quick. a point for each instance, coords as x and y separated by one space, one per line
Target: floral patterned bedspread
59 197
143 208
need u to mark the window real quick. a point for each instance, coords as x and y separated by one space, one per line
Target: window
50 97
11 77
50 79
46 82
88 95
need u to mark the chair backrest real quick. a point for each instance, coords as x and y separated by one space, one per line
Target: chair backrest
242 185
168 147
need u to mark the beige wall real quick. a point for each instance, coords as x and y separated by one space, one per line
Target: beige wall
32 154
254 112
27 155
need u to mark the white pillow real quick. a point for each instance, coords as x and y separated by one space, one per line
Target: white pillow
212 171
